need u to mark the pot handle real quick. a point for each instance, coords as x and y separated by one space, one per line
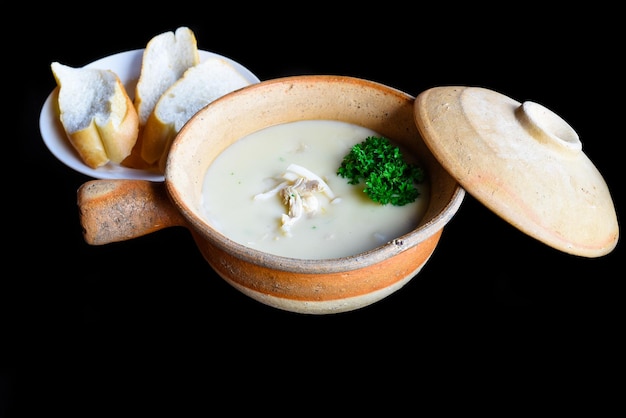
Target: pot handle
119 210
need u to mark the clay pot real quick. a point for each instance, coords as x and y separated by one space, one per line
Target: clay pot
116 210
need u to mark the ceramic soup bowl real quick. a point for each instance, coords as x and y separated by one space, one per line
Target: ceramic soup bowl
117 210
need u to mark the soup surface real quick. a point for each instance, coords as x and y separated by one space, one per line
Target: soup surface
246 196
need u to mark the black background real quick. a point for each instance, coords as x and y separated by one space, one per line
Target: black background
147 324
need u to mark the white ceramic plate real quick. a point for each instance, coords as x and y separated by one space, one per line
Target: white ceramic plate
127 66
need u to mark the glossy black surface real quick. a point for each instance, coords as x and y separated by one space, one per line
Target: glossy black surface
89 328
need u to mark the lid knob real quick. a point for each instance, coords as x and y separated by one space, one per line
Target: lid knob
547 127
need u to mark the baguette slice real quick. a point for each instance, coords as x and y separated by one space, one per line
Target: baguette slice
199 86
97 113
165 58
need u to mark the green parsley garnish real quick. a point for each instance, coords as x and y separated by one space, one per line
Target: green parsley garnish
380 164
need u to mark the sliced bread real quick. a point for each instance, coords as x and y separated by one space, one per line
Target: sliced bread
97 113
199 86
165 58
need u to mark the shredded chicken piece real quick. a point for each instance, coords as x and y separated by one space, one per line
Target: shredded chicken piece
298 194
300 200
298 170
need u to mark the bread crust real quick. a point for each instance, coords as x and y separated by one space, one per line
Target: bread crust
89 146
156 138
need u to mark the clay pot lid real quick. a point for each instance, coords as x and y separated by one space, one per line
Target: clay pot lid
523 162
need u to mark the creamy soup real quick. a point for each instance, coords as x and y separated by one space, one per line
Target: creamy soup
277 190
